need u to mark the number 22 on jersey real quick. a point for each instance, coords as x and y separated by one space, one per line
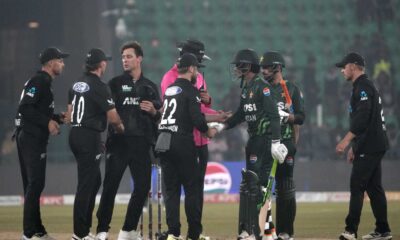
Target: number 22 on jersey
170 108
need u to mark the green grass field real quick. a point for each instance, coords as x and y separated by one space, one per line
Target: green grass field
313 221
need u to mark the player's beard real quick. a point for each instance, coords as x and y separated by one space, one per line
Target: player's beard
193 79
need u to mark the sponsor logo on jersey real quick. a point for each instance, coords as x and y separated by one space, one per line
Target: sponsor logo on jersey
31 92
173 128
51 105
126 88
174 90
217 179
110 101
266 91
131 101
81 87
363 96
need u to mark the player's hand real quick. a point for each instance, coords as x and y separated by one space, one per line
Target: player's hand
54 128
284 116
217 126
222 116
278 151
148 106
350 155
341 146
205 97
211 132
64 118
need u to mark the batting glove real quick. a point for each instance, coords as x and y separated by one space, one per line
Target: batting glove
284 116
278 151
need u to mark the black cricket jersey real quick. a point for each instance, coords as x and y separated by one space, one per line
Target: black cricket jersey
36 106
182 109
90 99
127 95
367 121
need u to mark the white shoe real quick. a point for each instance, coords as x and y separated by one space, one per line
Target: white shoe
102 236
245 236
377 236
38 237
204 237
131 235
172 237
47 237
346 235
32 238
88 237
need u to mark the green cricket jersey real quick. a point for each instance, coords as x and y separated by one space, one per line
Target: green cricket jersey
258 109
297 107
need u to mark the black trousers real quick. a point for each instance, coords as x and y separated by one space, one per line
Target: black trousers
32 159
180 168
259 158
86 147
286 192
123 152
366 175
202 154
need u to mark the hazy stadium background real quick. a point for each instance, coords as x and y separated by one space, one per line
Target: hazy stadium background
312 35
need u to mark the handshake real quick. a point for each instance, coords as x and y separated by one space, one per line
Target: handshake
217 126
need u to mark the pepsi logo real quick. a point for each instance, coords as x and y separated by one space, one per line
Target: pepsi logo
217 179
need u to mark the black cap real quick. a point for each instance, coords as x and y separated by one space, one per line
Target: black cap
50 54
351 58
96 55
193 46
187 60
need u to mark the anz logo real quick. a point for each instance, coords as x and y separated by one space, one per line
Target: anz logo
131 101
250 107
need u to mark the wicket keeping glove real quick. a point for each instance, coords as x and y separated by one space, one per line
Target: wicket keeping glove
284 116
218 126
278 151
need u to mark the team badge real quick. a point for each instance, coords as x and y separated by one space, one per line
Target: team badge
363 96
266 92
289 160
174 90
31 92
81 87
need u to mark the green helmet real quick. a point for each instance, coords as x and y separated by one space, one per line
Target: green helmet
248 56
272 59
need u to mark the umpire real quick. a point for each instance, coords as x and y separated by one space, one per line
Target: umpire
368 144
34 122
136 100
179 163
89 106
